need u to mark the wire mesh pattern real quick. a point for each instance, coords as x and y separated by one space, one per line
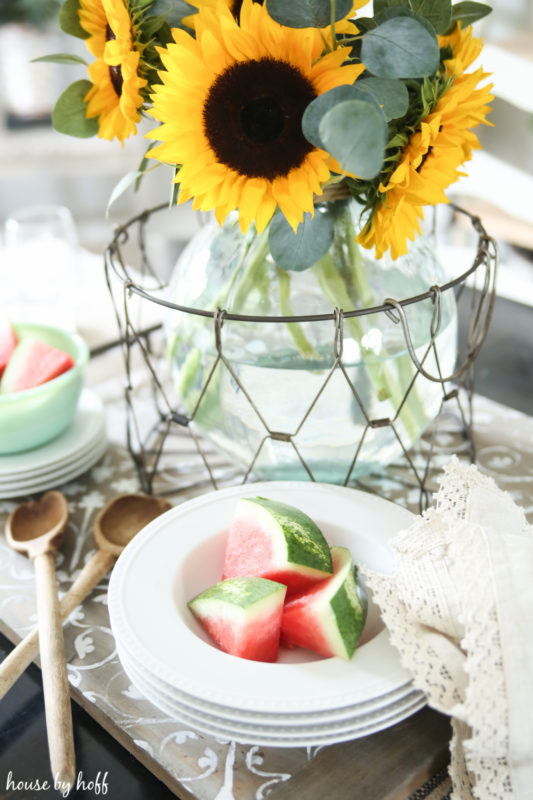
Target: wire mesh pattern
169 441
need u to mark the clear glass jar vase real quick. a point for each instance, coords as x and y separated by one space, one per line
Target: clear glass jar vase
289 400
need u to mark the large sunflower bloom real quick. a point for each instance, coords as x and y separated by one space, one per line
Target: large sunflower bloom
115 96
430 162
231 103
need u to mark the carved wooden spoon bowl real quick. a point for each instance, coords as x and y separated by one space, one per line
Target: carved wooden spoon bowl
115 525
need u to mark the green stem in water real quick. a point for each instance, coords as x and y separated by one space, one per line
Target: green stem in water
385 383
412 410
305 348
250 277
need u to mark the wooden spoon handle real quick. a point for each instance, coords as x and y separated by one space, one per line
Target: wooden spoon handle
54 670
27 649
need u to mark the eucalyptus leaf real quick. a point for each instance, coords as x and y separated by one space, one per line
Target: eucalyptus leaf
307 13
123 184
60 58
153 24
438 12
400 48
300 250
69 21
172 10
467 13
320 106
391 95
397 11
381 5
365 24
355 134
69 114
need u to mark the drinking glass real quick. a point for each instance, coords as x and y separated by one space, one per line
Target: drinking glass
40 265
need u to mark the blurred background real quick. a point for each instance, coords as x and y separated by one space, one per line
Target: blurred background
40 166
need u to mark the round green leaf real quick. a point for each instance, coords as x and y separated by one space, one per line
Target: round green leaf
400 48
69 115
172 10
320 106
468 12
69 20
300 250
381 5
390 94
438 12
355 134
307 13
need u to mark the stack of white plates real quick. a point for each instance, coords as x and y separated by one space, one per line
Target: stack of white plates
300 700
67 457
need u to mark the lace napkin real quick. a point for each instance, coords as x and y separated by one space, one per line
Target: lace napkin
459 608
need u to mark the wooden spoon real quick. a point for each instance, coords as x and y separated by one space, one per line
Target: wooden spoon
37 529
115 525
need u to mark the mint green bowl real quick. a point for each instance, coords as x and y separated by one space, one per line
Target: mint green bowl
30 418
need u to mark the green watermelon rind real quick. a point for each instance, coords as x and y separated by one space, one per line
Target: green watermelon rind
304 543
339 609
242 593
344 614
346 604
242 616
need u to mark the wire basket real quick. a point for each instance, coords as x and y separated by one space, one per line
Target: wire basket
169 454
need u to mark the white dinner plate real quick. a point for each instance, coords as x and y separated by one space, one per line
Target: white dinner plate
266 726
56 480
242 715
71 444
8 481
284 737
57 471
181 554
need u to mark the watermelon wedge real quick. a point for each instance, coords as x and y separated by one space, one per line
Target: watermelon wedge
34 362
243 616
8 342
330 617
276 541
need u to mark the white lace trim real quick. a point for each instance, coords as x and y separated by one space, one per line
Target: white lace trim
440 606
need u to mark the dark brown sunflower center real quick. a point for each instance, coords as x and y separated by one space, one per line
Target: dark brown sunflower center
115 73
262 120
253 115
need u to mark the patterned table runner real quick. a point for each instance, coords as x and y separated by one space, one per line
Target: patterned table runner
193 764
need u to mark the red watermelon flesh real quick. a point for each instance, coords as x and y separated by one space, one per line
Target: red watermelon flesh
243 616
8 343
34 362
328 618
276 541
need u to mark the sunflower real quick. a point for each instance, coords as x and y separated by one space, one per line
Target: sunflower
115 96
231 103
430 162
